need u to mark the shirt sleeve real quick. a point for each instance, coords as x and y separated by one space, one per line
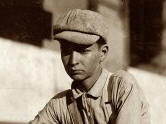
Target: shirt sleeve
46 116
129 102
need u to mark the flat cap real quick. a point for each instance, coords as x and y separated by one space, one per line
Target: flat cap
81 27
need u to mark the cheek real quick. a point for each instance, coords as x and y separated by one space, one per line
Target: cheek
92 61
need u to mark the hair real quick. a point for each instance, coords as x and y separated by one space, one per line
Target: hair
101 42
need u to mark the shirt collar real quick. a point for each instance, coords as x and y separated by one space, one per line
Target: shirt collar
96 90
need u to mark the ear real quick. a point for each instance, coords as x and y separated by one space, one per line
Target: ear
103 52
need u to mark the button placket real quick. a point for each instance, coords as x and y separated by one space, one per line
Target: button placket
85 101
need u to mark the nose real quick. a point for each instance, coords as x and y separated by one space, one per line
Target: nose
74 58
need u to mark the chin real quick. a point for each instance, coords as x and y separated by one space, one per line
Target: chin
77 77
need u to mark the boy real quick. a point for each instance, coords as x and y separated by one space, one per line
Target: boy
96 95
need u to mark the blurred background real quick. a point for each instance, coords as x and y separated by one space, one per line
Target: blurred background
31 71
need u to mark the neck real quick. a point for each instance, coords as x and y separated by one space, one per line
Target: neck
89 82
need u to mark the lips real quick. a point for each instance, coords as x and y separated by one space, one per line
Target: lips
75 71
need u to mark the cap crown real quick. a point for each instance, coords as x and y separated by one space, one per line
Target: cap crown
84 21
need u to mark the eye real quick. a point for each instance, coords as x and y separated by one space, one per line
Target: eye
83 51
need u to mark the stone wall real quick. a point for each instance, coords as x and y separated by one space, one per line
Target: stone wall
29 77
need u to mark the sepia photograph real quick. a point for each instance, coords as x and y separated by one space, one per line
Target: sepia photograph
82 61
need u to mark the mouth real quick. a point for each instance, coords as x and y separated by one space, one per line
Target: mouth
75 71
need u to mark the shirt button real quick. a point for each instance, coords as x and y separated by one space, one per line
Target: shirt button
88 114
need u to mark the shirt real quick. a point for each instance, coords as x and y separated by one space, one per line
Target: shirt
114 99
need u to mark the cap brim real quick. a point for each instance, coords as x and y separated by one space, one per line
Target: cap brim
77 37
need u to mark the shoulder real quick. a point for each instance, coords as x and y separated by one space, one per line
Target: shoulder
124 76
55 108
124 89
122 82
61 95
123 79
57 104
58 100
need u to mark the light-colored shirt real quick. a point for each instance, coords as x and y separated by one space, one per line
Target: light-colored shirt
114 99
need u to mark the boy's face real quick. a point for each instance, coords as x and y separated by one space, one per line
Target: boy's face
81 61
